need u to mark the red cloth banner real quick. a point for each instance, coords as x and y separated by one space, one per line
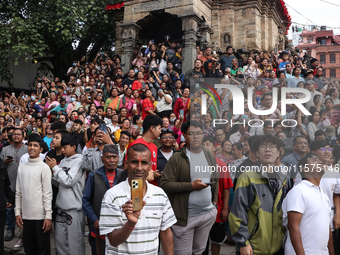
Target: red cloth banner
286 14
114 6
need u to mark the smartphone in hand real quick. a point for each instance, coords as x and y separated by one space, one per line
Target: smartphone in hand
181 113
102 127
137 194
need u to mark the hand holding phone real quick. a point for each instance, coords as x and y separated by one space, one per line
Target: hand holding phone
181 113
8 160
198 184
210 183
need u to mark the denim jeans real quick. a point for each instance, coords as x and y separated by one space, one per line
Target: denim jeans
10 218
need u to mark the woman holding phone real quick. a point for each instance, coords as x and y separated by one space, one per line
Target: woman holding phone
125 101
182 104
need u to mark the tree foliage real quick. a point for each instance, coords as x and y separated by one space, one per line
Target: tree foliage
58 31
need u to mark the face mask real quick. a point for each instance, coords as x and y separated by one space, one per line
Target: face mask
172 120
136 71
32 98
73 99
52 119
74 64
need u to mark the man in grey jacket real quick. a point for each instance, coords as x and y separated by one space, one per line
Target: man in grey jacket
11 155
70 220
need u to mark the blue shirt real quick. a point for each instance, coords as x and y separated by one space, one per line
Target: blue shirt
48 141
282 66
59 108
226 62
38 109
293 82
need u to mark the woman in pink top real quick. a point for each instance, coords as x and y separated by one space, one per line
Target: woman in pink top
139 60
177 129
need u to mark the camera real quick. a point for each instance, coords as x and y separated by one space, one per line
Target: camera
173 74
239 52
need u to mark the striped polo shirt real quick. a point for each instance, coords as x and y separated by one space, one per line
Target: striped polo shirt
157 215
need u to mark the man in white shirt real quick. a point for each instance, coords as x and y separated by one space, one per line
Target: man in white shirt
330 181
226 97
136 232
114 124
307 212
241 135
164 105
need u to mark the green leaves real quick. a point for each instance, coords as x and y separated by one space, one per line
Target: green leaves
59 30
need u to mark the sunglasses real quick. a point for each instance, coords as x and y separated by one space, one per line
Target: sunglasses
166 129
326 149
167 136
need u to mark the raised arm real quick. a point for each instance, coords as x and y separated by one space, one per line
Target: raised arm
69 177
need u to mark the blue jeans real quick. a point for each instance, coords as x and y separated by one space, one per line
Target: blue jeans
10 218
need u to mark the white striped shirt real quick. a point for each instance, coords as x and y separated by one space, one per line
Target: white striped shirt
157 215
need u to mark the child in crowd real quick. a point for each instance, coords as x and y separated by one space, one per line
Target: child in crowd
70 220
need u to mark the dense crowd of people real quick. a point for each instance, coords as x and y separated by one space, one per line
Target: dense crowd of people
70 149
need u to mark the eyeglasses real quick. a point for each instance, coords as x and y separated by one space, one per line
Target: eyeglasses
269 146
195 134
99 94
167 136
61 119
166 129
326 149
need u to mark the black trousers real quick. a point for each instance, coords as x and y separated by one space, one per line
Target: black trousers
92 242
336 241
35 241
2 228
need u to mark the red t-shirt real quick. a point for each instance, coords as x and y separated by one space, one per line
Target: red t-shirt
153 148
225 182
146 106
111 178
